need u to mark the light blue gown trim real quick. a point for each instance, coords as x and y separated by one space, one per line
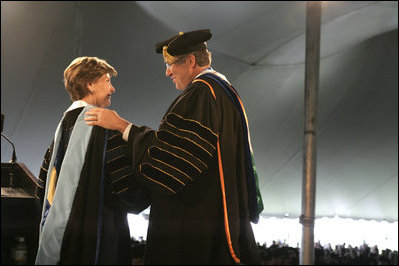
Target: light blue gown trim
52 233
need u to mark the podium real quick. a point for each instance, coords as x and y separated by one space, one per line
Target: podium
20 213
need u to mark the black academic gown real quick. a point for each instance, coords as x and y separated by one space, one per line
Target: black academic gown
180 164
97 204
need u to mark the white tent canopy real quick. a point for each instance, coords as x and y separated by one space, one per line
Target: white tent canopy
260 47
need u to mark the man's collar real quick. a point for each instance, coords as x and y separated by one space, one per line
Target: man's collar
210 70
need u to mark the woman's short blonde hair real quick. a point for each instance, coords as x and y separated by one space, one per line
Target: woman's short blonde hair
82 71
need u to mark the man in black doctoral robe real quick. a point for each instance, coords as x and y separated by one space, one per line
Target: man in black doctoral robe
198 164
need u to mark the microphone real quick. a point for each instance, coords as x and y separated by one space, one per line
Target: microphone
14 157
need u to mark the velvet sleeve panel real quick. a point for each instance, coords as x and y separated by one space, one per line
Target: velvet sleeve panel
172 157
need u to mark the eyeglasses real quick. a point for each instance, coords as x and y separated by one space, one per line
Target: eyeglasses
177 61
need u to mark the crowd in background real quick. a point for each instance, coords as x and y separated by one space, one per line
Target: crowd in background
281 254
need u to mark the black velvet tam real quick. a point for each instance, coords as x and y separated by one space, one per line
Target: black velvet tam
185 42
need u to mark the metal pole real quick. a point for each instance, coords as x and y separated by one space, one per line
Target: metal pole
313 21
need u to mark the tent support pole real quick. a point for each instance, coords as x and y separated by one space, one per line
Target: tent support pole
313 21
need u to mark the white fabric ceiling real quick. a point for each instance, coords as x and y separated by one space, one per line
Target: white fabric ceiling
260 47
